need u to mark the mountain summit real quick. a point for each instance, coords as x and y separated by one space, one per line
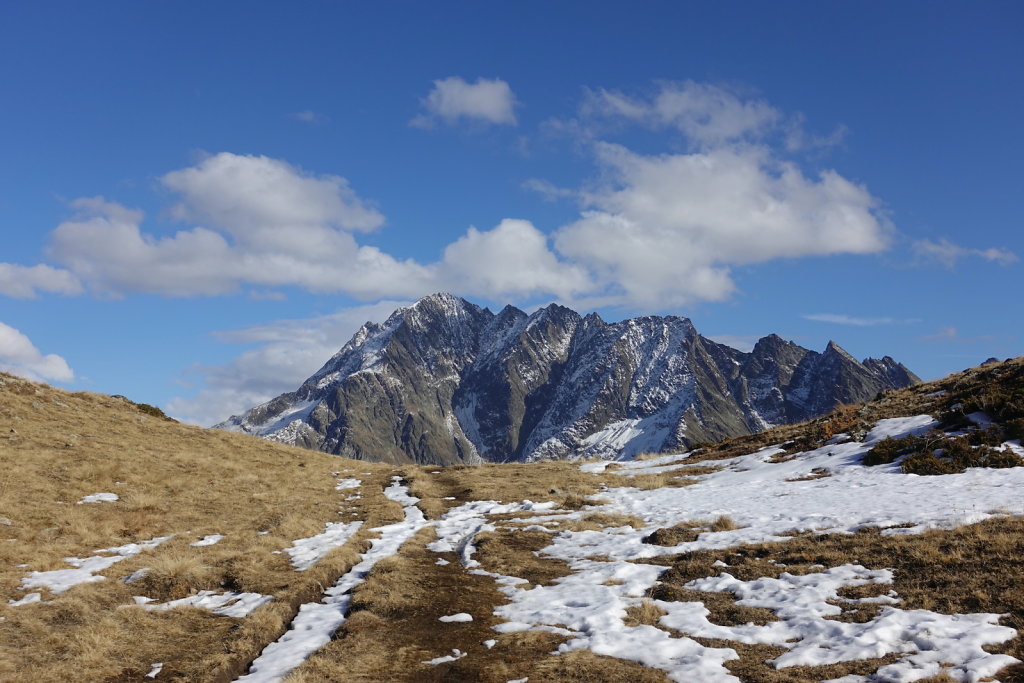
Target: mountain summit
446 382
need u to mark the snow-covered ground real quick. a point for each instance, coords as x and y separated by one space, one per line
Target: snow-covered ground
765 499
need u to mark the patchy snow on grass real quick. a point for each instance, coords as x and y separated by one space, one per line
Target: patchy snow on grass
99 498
456 618
210 539
85 569
344 484
444 659
26 600
136 575
306 552
801 602
316 622
765 502
227 604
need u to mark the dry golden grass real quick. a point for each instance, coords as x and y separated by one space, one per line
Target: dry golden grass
644 614
171 479
514 553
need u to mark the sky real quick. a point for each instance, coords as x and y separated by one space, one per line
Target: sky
201 202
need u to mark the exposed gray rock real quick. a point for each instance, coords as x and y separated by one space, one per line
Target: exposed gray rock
447 382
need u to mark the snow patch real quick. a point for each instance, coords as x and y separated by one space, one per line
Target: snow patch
306 552
211 539
456 618
227 604
85 569
99 498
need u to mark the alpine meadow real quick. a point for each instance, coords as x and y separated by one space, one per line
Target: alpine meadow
511 342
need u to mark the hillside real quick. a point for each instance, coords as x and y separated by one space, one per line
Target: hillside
135 546
446 382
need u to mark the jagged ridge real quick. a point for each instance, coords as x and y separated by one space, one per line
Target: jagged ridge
447 382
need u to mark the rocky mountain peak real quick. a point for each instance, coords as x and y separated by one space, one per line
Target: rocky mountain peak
445 381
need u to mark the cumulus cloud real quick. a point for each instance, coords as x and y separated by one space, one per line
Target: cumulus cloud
286 353
25 282
513 259
268 224
453 100
948 254
257 198
19 356
653 232
666 229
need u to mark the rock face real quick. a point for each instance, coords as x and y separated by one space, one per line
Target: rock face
446 382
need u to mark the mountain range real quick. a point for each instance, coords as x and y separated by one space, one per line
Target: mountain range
447 382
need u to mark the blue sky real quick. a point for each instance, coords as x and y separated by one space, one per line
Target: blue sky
200 202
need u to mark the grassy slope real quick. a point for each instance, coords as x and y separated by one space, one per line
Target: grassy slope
177 479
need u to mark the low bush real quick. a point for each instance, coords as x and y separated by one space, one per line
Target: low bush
954 455
887 450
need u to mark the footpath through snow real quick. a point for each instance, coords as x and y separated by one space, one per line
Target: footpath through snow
316 622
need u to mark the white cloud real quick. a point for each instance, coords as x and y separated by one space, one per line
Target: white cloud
25 282
548 190
511 260
666 229
287 352
453 100
268 224
948 254
706 114
843 319
269 202
104 246
19 356
654 231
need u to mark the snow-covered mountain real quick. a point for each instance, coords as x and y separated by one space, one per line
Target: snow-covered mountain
447 382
